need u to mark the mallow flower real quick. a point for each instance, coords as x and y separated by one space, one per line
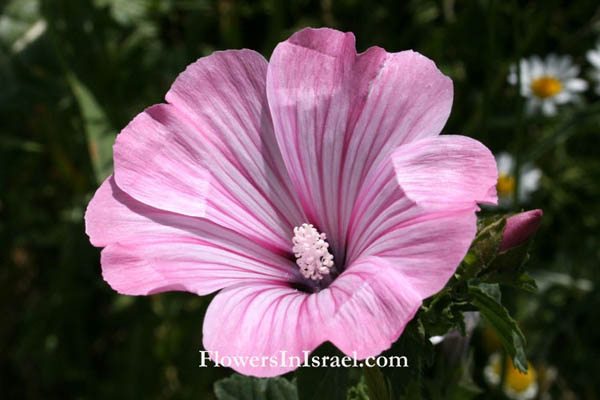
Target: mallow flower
313 192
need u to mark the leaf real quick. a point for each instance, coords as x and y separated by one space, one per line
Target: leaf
444 312
99 131
485 246
376 383
329 383
412 344
508 268
359 391
240 387
491 289
501 322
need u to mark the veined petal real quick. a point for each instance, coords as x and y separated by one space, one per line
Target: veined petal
371 302
446 172
159 160
418 211
424 244
211 151
363 312
148 250
263 320
337 115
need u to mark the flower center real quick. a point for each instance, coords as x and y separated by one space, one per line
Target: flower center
311 251
546 86
518 381
505 185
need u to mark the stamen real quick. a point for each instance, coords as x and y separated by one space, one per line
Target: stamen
311 251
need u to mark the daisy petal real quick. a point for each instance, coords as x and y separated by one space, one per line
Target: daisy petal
576 85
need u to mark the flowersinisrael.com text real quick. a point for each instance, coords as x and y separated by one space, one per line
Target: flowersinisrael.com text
213 358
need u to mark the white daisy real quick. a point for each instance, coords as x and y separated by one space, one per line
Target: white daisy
529 180
593 57
517 385
548 83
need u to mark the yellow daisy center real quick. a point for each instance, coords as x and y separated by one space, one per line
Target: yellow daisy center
505 185
515 379
518 381
546 86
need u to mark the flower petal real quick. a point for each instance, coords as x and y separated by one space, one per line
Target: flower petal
338 114
576 85
419 211
425 245
159 160
211 151
372 303
362 312
447 172
262 320
149 250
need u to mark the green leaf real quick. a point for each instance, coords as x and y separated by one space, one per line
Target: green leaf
508 268
240 387
491 289
376 382
329 383
485 246
359 391
416 347
99 131
502 323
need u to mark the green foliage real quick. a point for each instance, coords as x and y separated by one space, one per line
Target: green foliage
486 297
240 387
323 382
100 135
377 384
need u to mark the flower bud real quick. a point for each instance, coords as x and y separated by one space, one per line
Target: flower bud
519 228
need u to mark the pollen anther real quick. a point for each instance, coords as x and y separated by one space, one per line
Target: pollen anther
311 251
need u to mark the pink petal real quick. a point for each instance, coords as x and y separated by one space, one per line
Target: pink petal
419 210
211 152
149 250
363 312
262 320
338 114
159 161
372 304
427 248
425 245
446 172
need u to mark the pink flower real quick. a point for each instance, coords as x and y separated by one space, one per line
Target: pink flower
209 188
519 228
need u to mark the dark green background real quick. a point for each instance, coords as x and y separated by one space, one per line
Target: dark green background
65 334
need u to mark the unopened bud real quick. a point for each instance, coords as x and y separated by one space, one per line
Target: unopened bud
519 228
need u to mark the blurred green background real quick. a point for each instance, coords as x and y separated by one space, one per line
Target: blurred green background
73 73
